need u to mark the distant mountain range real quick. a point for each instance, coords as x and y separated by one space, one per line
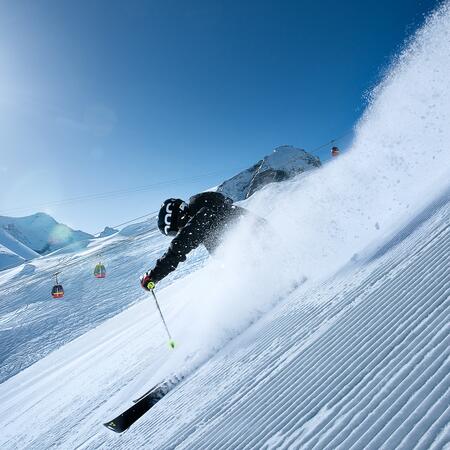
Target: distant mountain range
25 238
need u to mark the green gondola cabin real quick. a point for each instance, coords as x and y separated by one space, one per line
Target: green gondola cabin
100 271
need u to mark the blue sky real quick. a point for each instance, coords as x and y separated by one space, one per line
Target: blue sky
100 96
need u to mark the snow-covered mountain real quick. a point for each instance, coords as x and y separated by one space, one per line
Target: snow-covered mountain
15 246
13 252
9 258
108 231
329 330
40 232
284 163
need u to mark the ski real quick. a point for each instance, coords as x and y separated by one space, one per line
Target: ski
140 406
154 388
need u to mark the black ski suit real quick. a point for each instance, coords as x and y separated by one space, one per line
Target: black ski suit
211 214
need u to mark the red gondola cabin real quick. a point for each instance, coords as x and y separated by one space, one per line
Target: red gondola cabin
57 291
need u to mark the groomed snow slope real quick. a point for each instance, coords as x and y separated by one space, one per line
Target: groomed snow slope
360 361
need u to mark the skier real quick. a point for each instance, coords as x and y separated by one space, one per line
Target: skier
203 221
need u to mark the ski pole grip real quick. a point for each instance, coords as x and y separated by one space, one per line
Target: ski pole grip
151 285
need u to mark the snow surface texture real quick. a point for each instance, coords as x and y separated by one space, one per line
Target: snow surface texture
284 163
355 356
41 232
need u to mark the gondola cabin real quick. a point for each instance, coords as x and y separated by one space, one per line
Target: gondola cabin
57 291
335 152
100 271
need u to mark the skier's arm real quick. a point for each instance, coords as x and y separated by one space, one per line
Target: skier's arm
189 238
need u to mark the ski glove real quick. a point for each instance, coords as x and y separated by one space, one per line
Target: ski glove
146 281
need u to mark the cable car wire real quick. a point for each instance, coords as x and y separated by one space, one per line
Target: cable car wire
117 193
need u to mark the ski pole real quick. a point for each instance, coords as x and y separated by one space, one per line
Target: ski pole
171 341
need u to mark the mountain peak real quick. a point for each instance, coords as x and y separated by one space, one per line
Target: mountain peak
108 231
285 147
285 162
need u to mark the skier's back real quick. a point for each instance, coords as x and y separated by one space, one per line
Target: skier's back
203 221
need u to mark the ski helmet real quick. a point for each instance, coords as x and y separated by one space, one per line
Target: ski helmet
173 215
